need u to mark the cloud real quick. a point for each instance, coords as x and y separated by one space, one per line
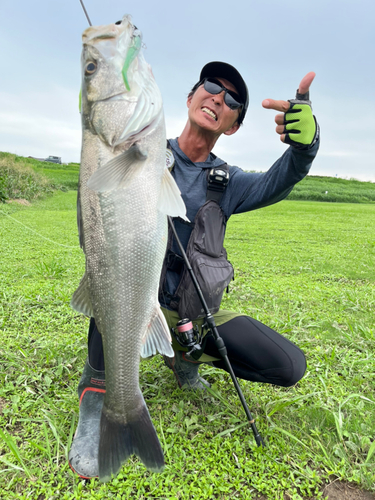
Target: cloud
34 123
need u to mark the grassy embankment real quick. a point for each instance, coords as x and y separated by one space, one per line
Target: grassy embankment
333 189
304 268
29 179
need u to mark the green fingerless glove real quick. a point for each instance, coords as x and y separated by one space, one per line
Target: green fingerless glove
301 129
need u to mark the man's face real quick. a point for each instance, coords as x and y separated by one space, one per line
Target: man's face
210 112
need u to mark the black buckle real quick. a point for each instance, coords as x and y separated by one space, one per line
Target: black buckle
218 179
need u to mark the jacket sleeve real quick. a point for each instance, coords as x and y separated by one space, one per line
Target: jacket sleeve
249 191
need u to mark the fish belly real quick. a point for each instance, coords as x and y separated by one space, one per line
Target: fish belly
135 234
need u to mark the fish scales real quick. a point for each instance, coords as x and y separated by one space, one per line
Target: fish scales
125 192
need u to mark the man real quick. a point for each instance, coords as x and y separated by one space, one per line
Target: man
216 105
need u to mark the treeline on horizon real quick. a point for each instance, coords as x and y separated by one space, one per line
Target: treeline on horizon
29 179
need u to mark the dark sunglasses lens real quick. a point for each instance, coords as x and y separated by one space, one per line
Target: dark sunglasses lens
232 100
213 87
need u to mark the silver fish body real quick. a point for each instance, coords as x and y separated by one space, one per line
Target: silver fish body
125 192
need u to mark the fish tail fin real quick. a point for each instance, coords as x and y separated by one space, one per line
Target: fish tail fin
119 440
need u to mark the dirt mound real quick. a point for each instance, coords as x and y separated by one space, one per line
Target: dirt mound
346 491
20 201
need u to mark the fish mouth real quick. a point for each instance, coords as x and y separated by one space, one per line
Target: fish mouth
107 32
105 36
209 112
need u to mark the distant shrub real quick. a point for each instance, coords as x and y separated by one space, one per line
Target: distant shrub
18 180
3 196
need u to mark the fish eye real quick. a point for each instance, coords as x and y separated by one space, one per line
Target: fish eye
90 68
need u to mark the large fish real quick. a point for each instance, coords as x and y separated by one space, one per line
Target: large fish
125 192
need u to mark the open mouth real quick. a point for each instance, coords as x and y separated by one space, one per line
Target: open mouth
210 113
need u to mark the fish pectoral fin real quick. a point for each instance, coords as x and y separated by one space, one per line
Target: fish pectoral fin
170 201
81 300
157 337
118 172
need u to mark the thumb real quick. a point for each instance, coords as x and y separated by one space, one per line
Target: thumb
306 82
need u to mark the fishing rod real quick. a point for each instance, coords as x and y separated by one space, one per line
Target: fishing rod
218 340
85 11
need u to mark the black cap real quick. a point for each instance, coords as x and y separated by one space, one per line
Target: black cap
223 70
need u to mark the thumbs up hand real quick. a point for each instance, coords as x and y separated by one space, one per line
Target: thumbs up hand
297 125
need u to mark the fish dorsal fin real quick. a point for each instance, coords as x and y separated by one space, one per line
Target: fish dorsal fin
81 300
118 172
157 337
170 201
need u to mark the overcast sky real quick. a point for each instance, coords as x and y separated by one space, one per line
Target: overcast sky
272 43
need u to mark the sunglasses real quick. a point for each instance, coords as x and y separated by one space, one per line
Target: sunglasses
213 86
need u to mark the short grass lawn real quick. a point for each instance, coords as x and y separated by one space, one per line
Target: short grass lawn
306 269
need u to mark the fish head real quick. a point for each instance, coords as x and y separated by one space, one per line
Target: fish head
120 99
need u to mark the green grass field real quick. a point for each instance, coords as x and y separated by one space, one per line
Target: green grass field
304 268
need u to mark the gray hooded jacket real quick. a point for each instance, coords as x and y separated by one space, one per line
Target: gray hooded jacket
246 191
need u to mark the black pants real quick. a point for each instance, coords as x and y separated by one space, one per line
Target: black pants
256 352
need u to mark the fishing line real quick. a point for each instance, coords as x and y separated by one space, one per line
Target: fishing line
29 228
36 232
85 11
